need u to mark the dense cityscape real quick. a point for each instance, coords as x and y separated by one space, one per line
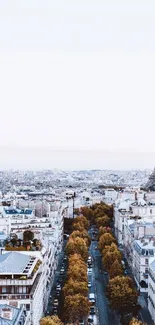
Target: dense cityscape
77 247
77 162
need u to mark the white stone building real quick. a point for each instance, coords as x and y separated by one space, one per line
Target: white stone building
143 255
151 290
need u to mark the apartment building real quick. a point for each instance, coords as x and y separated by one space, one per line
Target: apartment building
151 290
10 315
22 283
143 255
134 229
19 284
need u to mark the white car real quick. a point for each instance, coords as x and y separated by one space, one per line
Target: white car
89 271
89 284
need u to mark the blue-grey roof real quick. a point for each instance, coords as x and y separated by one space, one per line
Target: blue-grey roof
3 236
15 315
152 266
13 262
17 211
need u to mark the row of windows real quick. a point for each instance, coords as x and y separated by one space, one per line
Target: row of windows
151 302
153 290
15 290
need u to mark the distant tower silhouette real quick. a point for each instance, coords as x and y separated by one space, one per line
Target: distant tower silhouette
150 185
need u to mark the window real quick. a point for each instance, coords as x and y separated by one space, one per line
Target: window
3 289
146 270
27 306
146 261
150 211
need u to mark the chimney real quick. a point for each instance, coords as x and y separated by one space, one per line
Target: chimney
7 313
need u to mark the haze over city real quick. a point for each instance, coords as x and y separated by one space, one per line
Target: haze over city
77 75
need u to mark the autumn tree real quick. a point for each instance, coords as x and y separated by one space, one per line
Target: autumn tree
104 230
75 287
50 320
81 234
122 294
112 248
135 321
116 269
82 220
75 259
77 273
76 308
102 221
109 259
78 227
87 212
105 240
28 235
77 245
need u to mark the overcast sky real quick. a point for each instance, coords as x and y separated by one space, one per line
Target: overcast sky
77 74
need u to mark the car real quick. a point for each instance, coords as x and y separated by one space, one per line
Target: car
55 302
89 264
58 287
55 311
81 322
92 310
89 284
89 271
126 272
90 320
105 273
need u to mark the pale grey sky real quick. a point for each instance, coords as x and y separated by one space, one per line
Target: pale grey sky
77 74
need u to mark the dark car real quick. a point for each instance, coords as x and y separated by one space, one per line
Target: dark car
92 310
90 320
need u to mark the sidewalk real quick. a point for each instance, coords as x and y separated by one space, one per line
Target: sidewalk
144 313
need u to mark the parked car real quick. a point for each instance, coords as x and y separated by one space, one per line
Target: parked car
55 311
58 287
92 310
81 322
89 271
90 320
89 284
55 302
62 271
92 298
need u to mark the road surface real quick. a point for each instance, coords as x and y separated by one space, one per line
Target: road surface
105 315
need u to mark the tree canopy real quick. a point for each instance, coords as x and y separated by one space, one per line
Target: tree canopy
50 320
122 294
77 245
76 308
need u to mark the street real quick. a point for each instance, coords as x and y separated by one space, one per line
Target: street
105 316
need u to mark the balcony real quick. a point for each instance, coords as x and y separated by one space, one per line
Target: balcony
14 296
20 282
16 282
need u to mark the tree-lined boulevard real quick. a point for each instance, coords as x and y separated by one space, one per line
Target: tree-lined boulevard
116 298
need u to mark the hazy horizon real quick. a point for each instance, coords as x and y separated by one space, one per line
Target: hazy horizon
46 158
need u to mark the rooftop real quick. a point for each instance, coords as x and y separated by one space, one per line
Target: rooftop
13 263
152 266
17 211
9 315
145 243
